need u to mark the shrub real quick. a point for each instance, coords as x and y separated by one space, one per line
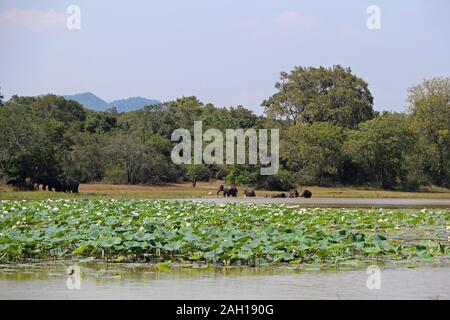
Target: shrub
283 180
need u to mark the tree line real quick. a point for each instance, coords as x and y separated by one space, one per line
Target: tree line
330 135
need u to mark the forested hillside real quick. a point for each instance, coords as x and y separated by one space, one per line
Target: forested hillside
329 135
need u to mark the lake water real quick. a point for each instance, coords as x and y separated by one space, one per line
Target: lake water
334 202
140 281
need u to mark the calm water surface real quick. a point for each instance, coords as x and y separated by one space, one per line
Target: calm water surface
139 281
333 202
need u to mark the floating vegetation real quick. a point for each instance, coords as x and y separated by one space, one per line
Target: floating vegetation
202 233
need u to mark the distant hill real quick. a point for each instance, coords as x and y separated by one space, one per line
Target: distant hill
93 102
89 100
133 103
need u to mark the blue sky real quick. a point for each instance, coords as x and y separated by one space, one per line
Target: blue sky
224 52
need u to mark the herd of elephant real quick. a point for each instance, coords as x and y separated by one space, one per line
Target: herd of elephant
57 184
232 191
62 184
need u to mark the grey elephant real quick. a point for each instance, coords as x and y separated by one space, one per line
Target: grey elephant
228 191
249 193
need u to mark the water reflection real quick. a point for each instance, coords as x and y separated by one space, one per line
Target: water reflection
143 281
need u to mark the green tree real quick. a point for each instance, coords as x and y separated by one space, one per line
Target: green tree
439 86
60 109
101 122
198 172
308 95
380 147
430 112
128 152
85 160
247 175
218 118
315 152
242 118
29 145
142 158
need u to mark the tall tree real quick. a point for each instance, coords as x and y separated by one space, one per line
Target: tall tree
380 146
308 95
430 111
29 145
315 152
439 86
85 160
